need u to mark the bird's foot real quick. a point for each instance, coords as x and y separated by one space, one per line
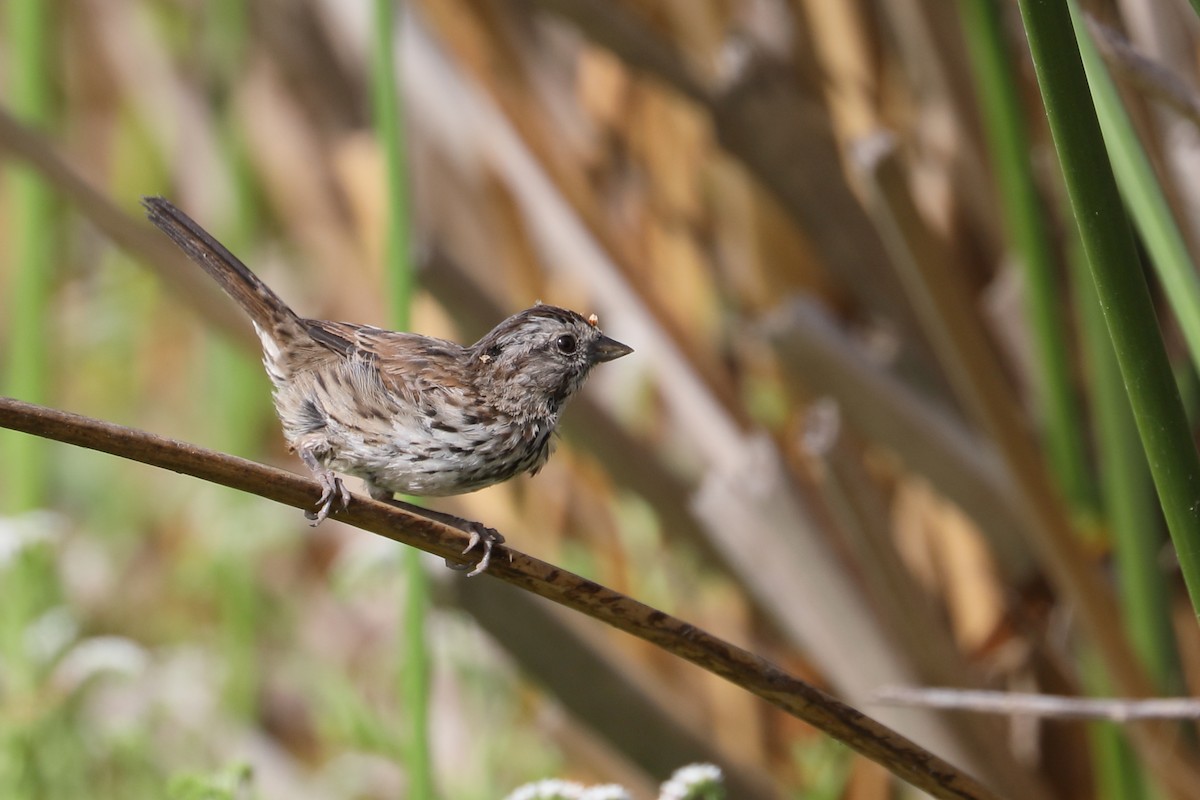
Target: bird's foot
333 492
480 533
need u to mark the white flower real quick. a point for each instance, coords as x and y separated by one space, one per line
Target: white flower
27 530
687 780
101 654
550 789
609 791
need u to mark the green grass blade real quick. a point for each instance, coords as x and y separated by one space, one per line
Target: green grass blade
1116 271
1118 774
1024 214
1135 529
415 680
1129 503
31 251
1144 197
391 136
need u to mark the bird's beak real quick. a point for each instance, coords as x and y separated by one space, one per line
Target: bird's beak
606 349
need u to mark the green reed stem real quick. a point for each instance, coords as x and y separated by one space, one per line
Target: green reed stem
1116 271
31 252
1129 510
237 390
391 136
1145 199
1025 214
1129 502
1118 774
415 679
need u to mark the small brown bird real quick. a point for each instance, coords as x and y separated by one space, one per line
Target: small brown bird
407 413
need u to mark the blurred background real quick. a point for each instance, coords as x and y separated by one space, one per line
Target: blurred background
871 429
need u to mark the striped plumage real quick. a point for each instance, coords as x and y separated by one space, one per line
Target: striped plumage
406 413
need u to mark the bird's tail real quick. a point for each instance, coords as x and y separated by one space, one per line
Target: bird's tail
272 317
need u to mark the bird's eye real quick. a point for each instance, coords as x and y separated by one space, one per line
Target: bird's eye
566 344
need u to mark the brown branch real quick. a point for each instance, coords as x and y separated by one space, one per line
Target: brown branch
875 741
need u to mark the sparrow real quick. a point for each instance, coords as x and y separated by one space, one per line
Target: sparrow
406 413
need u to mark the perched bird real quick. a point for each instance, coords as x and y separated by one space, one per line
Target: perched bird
408 414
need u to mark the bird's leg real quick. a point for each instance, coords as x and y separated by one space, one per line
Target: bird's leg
333 490
490 537
479 533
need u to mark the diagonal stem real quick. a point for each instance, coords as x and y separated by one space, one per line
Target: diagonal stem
877 742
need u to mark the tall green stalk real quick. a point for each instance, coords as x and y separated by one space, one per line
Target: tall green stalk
1118 773
31 252
1134 525
415 681
1116 271
29 583
236 401
1024 214
236 389
1144 197
1129 502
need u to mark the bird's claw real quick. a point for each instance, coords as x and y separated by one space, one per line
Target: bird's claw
490 537
477 531
333 490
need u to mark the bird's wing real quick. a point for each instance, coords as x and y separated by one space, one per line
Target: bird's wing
415 368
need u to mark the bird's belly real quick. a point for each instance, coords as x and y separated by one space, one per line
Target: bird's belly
403 449
433 462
